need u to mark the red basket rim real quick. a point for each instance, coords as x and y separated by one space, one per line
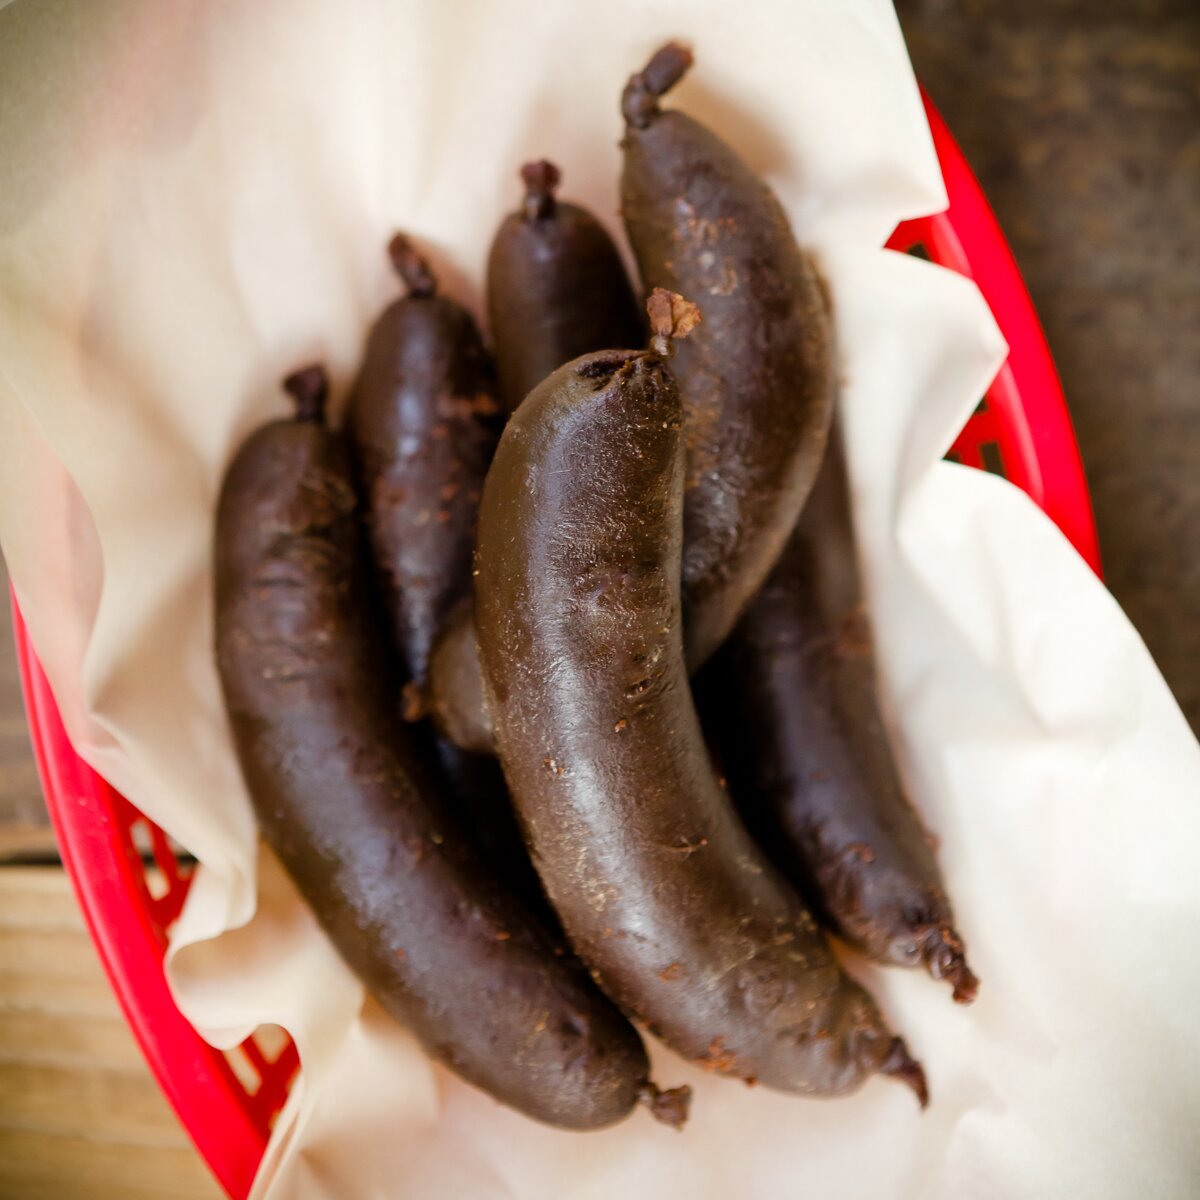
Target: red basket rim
109 883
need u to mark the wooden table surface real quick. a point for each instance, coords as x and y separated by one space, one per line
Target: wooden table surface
1083 122
80 1115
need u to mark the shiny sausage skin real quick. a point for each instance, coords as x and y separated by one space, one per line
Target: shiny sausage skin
350 808
659 887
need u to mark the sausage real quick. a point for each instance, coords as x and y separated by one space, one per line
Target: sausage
423 422
792 704
659 887
758 388
556 288
456 702
350 808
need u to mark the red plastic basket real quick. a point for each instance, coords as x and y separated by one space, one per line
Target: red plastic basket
227 1102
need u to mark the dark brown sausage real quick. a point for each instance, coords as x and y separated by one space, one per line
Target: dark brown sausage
659 887
758 387
556 288
792 703
423 422
456 701
350 810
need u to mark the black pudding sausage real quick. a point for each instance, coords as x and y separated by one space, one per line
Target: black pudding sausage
423 422
792 703
659 887
347 804
556 288
758 388
455 699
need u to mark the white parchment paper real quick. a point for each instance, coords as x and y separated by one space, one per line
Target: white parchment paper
194 198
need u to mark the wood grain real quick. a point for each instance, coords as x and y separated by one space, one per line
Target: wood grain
80 1115
24 826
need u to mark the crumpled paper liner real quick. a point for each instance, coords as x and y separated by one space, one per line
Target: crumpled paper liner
195 199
